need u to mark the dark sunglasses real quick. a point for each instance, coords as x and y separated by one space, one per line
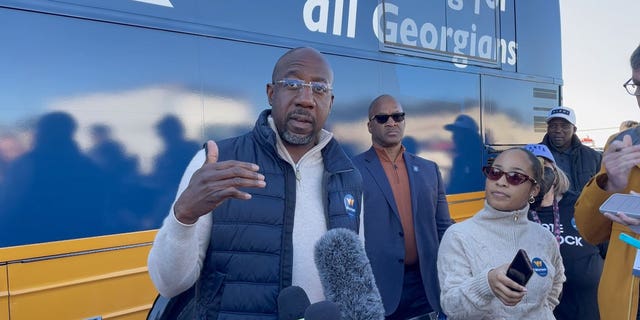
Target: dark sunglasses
383 118
513 178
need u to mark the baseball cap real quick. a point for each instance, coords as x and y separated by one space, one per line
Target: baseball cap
564 113
540 150
463 121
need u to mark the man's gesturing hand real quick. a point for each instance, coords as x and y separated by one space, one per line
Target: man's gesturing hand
619 158
215 182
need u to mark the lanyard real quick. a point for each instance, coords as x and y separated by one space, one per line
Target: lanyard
556 219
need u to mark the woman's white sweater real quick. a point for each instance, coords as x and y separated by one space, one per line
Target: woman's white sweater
491 238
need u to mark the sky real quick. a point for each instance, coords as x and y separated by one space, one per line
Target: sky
597 40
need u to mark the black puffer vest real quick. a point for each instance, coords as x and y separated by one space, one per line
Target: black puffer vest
249 258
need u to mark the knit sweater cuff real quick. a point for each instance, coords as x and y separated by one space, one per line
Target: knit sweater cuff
480 288
177 230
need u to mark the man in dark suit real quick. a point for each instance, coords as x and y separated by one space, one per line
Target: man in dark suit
405 216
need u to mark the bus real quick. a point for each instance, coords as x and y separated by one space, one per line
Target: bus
104 103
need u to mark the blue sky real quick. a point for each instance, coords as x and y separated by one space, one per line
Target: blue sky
597 40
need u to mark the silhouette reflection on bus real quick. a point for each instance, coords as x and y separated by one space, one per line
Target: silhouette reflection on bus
55 191
466 169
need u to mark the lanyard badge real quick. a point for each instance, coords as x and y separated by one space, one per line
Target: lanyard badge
635 243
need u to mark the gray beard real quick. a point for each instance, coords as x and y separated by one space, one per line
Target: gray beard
296 139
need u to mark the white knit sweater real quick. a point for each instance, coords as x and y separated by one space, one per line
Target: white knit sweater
470 249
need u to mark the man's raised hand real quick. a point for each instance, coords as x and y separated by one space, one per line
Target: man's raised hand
215 182
211 150
618 159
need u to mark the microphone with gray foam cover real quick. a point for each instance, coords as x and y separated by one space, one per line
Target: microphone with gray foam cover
346 276
292 303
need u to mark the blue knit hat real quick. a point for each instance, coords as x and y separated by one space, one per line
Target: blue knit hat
540 150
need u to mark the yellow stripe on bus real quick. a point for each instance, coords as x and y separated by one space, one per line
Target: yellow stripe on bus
4 294
464 205
44 250
73 279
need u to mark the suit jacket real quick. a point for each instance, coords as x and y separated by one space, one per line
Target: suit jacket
384 237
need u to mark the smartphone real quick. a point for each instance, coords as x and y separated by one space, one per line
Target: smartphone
622 202
520 269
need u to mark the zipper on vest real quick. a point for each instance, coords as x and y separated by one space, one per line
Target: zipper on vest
298 175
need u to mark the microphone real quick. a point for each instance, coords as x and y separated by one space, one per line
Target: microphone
323 310
292 303
346 276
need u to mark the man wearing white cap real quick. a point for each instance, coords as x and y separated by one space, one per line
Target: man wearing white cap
577 160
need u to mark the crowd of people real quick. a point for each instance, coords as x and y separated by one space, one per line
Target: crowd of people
250 209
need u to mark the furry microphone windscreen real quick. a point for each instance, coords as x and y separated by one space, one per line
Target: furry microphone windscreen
346 276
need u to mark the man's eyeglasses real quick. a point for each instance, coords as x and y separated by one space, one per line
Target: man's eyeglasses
513 178
632 88
318 88
383 118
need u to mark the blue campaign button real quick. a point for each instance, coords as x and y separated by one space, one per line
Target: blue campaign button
539 267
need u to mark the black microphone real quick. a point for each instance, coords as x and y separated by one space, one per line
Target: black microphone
292 303
323 310
346 276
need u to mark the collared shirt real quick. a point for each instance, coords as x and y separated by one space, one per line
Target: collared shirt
398 178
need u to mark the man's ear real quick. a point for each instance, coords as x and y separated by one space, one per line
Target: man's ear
270 93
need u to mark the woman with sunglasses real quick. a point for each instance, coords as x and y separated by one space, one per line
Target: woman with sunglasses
583 261
475 254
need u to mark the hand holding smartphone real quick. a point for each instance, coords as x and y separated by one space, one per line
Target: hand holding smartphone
520 269
621 202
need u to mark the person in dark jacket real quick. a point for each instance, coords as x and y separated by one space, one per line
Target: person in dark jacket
583 262
578 161
405 215
251 208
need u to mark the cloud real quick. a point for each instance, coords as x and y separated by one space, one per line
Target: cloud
132 115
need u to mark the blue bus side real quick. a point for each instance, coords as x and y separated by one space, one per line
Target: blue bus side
105 102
